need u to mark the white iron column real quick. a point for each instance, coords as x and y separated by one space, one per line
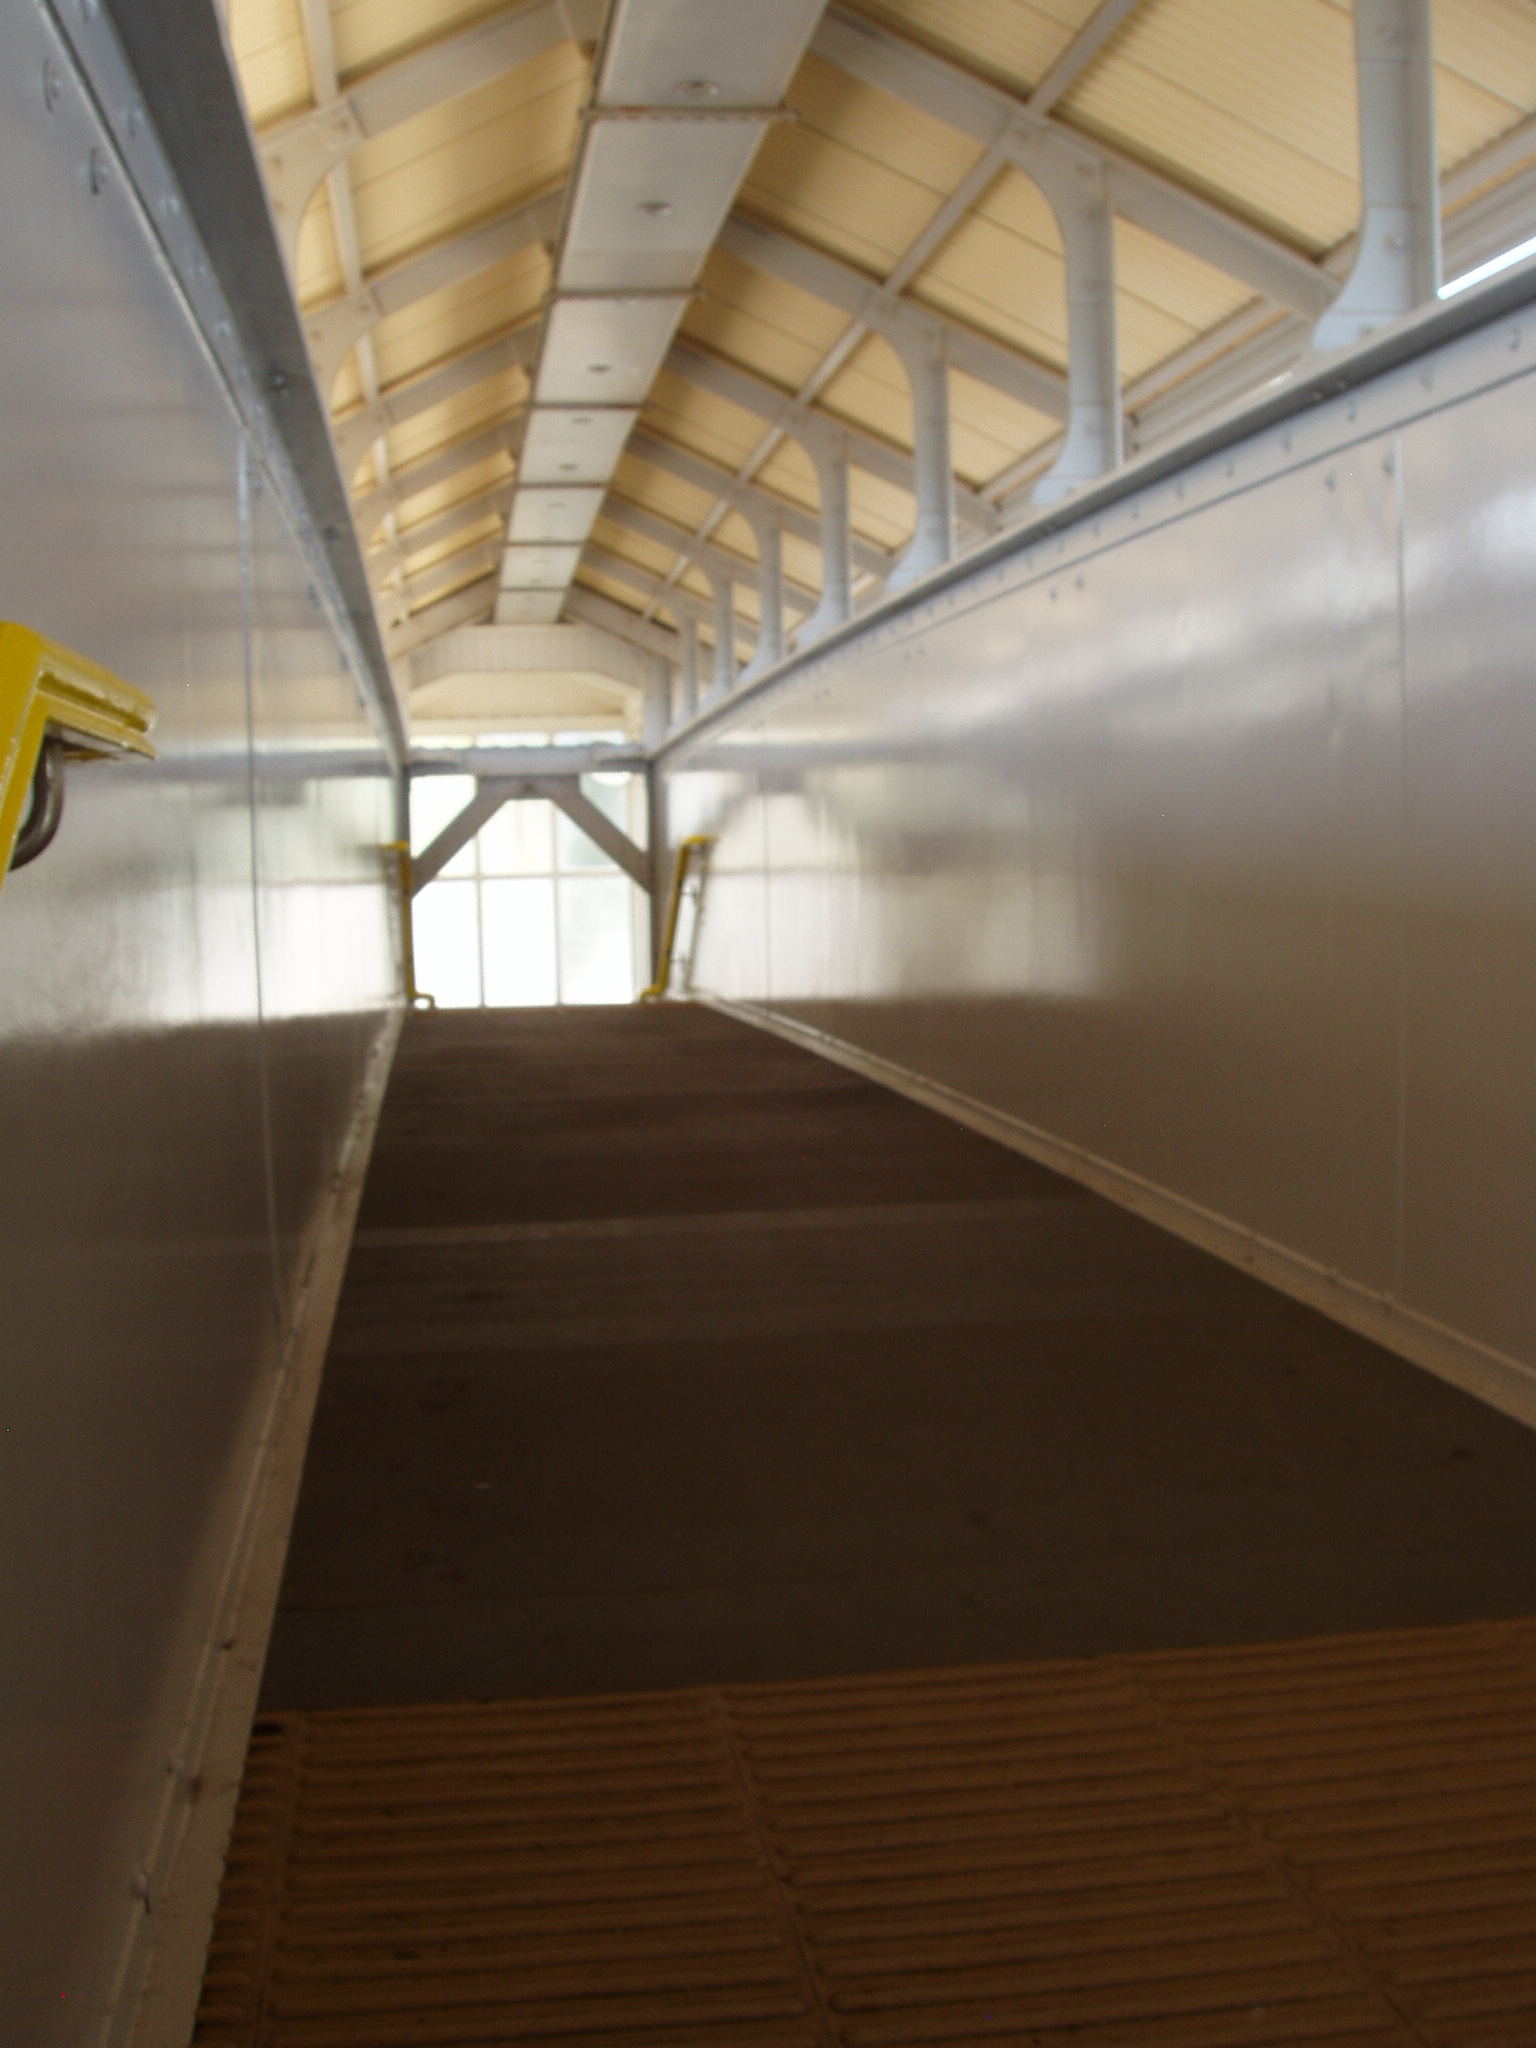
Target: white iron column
725 637
688 674
1397 266
926 357
1075 186
830 454
768 529
656 703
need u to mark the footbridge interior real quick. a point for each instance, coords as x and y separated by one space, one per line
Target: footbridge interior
767 972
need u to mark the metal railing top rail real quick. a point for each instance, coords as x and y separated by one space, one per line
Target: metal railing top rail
1311 384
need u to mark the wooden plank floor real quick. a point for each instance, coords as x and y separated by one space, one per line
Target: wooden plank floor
1330 1841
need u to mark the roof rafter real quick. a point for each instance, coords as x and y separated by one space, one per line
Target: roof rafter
407 400
989 114
297 154
682 603
712 559
593 609
432 470
1038 385
336 326
782 409
691 468
465 607
413 539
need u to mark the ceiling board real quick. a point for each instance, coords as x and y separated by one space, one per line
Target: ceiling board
271 57
453 165
457 318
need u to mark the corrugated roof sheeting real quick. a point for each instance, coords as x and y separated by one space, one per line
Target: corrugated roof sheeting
1250 103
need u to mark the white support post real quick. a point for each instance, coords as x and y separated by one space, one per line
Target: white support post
725 638
1397 266
688 673
768 529
1074 184
925 355
829 452
656 704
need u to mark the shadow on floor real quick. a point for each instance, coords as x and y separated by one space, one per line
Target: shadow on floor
670 1354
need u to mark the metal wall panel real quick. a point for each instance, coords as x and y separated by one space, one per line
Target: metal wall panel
1193 838
164 1153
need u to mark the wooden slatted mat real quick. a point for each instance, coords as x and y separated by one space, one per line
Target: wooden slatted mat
1331 1841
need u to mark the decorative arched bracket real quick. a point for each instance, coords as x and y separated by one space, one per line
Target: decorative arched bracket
55 707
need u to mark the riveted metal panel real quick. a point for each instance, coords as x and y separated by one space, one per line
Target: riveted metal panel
1190 837
164 1153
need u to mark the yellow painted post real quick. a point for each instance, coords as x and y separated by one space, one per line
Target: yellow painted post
417 998
686 850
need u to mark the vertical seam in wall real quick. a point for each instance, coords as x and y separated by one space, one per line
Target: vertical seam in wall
1399 1218
263 1080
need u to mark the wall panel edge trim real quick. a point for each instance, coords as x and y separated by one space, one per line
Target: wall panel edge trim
160 1973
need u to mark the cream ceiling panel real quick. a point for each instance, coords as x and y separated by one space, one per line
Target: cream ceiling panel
267 37
872 390
474 572
1251 101
630 546
837 109
878 511
1015 40
997 281
1488 44
369 33
457 490
666 494
451 321
469 158
404 528
1172 282
988 431
1467 116
802 562
458 417
772 328
861 175
487 527
697 419
737 538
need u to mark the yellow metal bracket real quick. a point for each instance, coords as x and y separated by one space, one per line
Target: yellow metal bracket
690 853
416 997
56 706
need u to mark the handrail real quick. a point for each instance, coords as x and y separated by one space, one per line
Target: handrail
416 998
699 844
55 706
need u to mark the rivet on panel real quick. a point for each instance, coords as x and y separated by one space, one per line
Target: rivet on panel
96 171
1332 480
1514 337
50 84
